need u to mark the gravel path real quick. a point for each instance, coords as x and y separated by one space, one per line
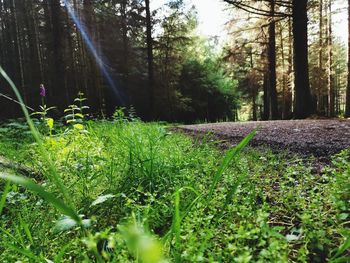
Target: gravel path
321 138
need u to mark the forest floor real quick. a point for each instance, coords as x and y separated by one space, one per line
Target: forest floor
320 138
126 191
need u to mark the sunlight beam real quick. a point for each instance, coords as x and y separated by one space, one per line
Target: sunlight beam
93 50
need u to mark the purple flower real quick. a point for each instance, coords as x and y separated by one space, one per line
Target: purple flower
42 90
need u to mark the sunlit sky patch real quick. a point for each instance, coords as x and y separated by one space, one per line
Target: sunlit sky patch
213 15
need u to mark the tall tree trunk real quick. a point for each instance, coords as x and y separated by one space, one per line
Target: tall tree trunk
303 101
337 85
331 95
124 28
34 65
58 53
150 58
266 95
252 87
284 79
320 105
18 45
290 97
272 63
266 110
255 108
72 68
347 105
93 89
35 23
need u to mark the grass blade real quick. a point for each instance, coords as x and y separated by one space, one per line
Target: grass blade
231 192
177 225
50 198
230 155
345 246
341 260
4 196
26 252
177 219
26 229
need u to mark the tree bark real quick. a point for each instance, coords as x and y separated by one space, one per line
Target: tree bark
320 106
284 79
290 73
150 58
266 110
58 54
303 101
124 27
272 63
347 106
331 95
18 45
255 115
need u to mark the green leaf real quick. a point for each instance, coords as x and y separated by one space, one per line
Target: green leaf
79 115
50 108
292 237
64 224
80 99
50 198
37 113
49 122
101 199
78 126
343 216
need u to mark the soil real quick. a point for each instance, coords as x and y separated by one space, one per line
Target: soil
319 138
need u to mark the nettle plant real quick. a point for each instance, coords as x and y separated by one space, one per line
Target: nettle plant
44 110
74 114
132 114
123 115
43 113
119 115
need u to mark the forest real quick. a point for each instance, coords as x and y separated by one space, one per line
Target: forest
128 133
125 54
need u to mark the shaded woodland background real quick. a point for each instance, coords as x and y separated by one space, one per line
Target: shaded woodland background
281 59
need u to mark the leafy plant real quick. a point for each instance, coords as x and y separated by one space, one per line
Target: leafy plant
43 113
74 114
119 115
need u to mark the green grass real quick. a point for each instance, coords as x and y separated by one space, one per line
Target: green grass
144 194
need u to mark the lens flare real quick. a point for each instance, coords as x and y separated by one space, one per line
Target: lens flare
102 65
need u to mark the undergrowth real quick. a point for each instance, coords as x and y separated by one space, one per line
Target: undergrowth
144 194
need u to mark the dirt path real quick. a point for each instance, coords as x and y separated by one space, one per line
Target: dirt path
321 138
